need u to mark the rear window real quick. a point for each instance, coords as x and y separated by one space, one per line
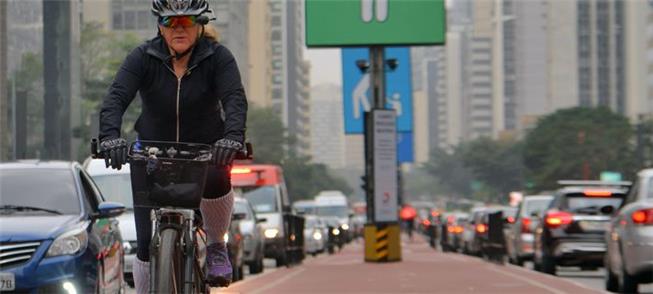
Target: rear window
535 205
582 203
52 189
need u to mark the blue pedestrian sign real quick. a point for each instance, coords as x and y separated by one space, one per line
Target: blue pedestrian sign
405 147
357 95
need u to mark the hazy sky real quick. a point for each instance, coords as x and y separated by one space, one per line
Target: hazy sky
326 66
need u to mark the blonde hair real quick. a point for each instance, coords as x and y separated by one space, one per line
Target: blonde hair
211 33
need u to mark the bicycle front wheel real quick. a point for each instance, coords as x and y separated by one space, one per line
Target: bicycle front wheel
169 265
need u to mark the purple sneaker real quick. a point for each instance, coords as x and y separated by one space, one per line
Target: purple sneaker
218 266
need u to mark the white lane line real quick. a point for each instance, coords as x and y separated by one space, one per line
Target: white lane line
555 278
279 281
527 280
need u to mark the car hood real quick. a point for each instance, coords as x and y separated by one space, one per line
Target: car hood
272 220
246 227
39 227
127 226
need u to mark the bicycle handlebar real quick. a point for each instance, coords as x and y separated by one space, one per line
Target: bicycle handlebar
245 154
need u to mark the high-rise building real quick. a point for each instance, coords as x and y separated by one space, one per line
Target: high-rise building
290 73
259 85
638 33
327 137
232 22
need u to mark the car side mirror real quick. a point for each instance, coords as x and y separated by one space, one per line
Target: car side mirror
261 220
109 209
238 216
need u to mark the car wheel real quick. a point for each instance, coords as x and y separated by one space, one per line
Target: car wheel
548 265
256 266
628 283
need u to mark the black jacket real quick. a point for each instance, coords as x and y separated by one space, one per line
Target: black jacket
184 111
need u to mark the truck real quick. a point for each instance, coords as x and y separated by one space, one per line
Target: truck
264 187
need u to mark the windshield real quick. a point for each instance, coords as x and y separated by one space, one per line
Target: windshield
241 207
337 211
263 198
311 222
52 189
116 187
535 205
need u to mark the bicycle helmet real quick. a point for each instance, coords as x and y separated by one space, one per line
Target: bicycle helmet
162 8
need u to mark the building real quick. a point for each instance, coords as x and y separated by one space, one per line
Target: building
639 59
327 137
259 85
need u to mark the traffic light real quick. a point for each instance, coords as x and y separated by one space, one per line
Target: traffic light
364 183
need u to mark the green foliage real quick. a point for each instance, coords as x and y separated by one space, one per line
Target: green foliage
497 164
578 143
449 171
271 144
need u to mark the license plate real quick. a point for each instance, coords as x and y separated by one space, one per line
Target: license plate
593 226
7 282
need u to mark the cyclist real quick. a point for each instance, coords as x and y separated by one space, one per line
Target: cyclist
191 91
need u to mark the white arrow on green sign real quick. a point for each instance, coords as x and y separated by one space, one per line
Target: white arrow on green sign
337 23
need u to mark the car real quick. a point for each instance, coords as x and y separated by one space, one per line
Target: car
264 187
253 239
471 234
235 247
58 233
519 238
314 235
303 207
571 231
455 226
629 239
115 185
495 221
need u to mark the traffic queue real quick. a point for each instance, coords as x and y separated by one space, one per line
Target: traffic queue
584 224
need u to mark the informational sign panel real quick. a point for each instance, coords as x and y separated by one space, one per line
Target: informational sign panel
357 95
385 165
405 147
337 23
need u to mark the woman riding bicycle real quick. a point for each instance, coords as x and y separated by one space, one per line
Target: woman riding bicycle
191 91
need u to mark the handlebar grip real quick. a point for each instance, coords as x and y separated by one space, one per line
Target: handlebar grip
94 149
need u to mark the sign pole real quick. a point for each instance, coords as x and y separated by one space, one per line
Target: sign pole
378 76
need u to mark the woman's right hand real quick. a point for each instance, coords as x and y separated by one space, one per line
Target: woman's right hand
115 152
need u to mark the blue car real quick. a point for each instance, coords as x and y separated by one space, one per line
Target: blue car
57 234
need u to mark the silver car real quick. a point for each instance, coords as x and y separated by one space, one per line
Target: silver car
115 185
250 228
315 235
629 238
519 236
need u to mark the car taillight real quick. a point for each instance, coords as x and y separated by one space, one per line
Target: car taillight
643 216
458 229
557 219
525 225
426 223
511 220
481 228
450 229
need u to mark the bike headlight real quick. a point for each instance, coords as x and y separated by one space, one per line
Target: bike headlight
226 237
345 227
69 243
271 233
317 236
336 232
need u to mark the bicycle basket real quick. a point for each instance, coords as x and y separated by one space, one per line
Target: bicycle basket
167 176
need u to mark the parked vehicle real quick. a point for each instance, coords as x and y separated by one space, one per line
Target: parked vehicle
58 233
115 185
629 239
253 239
571 231
265 188
314 235
519 238
235 246
335 204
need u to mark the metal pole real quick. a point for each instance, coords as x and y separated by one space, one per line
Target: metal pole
377 59
13 116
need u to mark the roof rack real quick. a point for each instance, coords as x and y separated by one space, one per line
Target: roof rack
595 183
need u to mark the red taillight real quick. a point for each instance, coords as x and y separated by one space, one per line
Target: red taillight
426 223
450 229
458 229
525 225
239 171
557 219
643 216
481 228
511 220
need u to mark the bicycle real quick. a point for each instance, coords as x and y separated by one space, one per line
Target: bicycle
169 177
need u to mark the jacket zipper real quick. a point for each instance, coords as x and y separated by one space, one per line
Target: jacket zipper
178 92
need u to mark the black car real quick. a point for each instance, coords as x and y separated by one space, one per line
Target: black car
58 234
571 231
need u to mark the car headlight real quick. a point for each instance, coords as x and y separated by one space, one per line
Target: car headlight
271 233
69 243
345 227
317 236
226 237
336 232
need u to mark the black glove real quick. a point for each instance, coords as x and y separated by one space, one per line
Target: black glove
225 151
115 152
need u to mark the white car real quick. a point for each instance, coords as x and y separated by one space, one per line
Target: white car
116 186
314 235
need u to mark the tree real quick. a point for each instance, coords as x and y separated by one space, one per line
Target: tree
448 169
497 164
578 143
266 133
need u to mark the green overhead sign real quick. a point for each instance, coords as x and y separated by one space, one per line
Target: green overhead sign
338 23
